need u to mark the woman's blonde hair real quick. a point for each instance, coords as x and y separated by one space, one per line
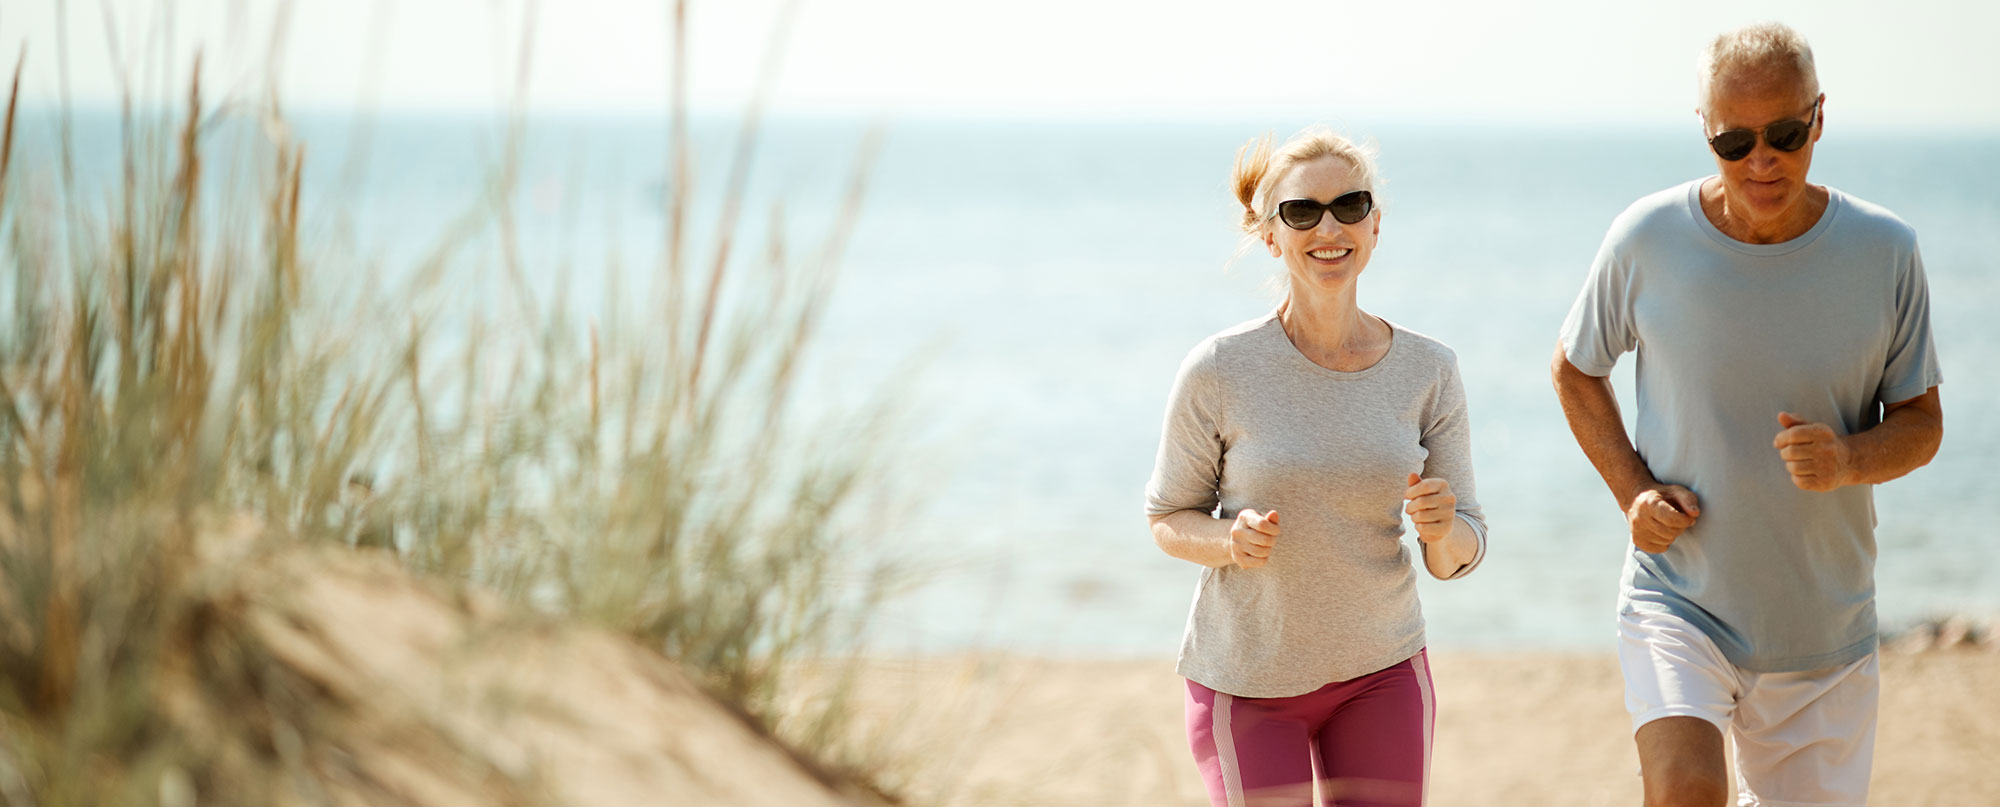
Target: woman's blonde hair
1259 167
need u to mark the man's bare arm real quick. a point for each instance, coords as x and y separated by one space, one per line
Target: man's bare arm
1821 459
1656 512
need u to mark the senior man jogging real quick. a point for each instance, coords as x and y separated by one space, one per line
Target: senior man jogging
1785 366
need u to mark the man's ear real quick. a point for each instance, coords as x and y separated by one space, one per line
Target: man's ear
1820 128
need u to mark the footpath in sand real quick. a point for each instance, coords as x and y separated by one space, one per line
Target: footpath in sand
1513 729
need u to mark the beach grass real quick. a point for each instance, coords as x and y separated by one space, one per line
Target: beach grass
178 360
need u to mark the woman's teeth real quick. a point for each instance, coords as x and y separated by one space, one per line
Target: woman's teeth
1329 254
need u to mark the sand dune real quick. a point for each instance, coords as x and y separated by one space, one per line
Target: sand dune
404 692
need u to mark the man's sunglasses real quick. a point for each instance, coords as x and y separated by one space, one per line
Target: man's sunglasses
1347 208
1785 135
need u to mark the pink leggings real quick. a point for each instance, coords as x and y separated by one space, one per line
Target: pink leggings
1368 740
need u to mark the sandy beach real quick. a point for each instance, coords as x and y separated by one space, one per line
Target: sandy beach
1541 729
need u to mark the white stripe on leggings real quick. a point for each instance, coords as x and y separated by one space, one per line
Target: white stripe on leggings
1423 672
1225 749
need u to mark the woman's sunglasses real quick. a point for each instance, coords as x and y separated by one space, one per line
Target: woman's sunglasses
1785 135
1347 208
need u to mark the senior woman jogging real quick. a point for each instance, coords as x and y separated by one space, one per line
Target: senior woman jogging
1294 446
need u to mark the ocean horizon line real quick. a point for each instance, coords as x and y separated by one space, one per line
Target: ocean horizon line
1250 122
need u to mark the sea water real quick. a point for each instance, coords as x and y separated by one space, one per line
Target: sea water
1047 277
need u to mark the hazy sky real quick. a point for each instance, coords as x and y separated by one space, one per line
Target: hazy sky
1926 63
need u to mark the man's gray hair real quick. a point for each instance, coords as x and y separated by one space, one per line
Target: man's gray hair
1765 51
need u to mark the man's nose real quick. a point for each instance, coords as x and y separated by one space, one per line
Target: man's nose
1762 156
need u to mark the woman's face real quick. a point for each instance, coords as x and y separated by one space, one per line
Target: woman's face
1331 254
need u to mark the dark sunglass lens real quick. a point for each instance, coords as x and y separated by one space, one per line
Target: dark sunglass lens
1352 207
1300 214
1787 135
1734 144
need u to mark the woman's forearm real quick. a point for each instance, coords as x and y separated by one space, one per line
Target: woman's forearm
1445 557
1194 537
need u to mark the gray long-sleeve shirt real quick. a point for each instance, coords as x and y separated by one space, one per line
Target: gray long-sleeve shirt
1253 423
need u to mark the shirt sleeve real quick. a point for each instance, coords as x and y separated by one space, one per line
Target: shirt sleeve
1448 439
1912 365
1599 327
1187 474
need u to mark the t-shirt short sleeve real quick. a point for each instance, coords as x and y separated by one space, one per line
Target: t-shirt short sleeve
1912 366
1599 327
1187 473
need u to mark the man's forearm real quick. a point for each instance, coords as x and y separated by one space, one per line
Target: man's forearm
1905 440
1592 411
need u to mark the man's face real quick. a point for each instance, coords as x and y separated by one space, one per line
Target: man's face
1768 184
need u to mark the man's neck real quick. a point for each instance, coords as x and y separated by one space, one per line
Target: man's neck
1795 222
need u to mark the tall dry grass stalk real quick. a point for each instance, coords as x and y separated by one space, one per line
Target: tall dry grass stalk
164 373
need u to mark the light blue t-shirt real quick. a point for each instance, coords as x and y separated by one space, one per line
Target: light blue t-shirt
1827 326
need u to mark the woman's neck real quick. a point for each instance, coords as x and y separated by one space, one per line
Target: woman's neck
1330 328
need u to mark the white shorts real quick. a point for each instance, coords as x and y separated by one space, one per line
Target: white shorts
1802 738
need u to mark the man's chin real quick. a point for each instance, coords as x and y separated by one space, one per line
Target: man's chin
1767 200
